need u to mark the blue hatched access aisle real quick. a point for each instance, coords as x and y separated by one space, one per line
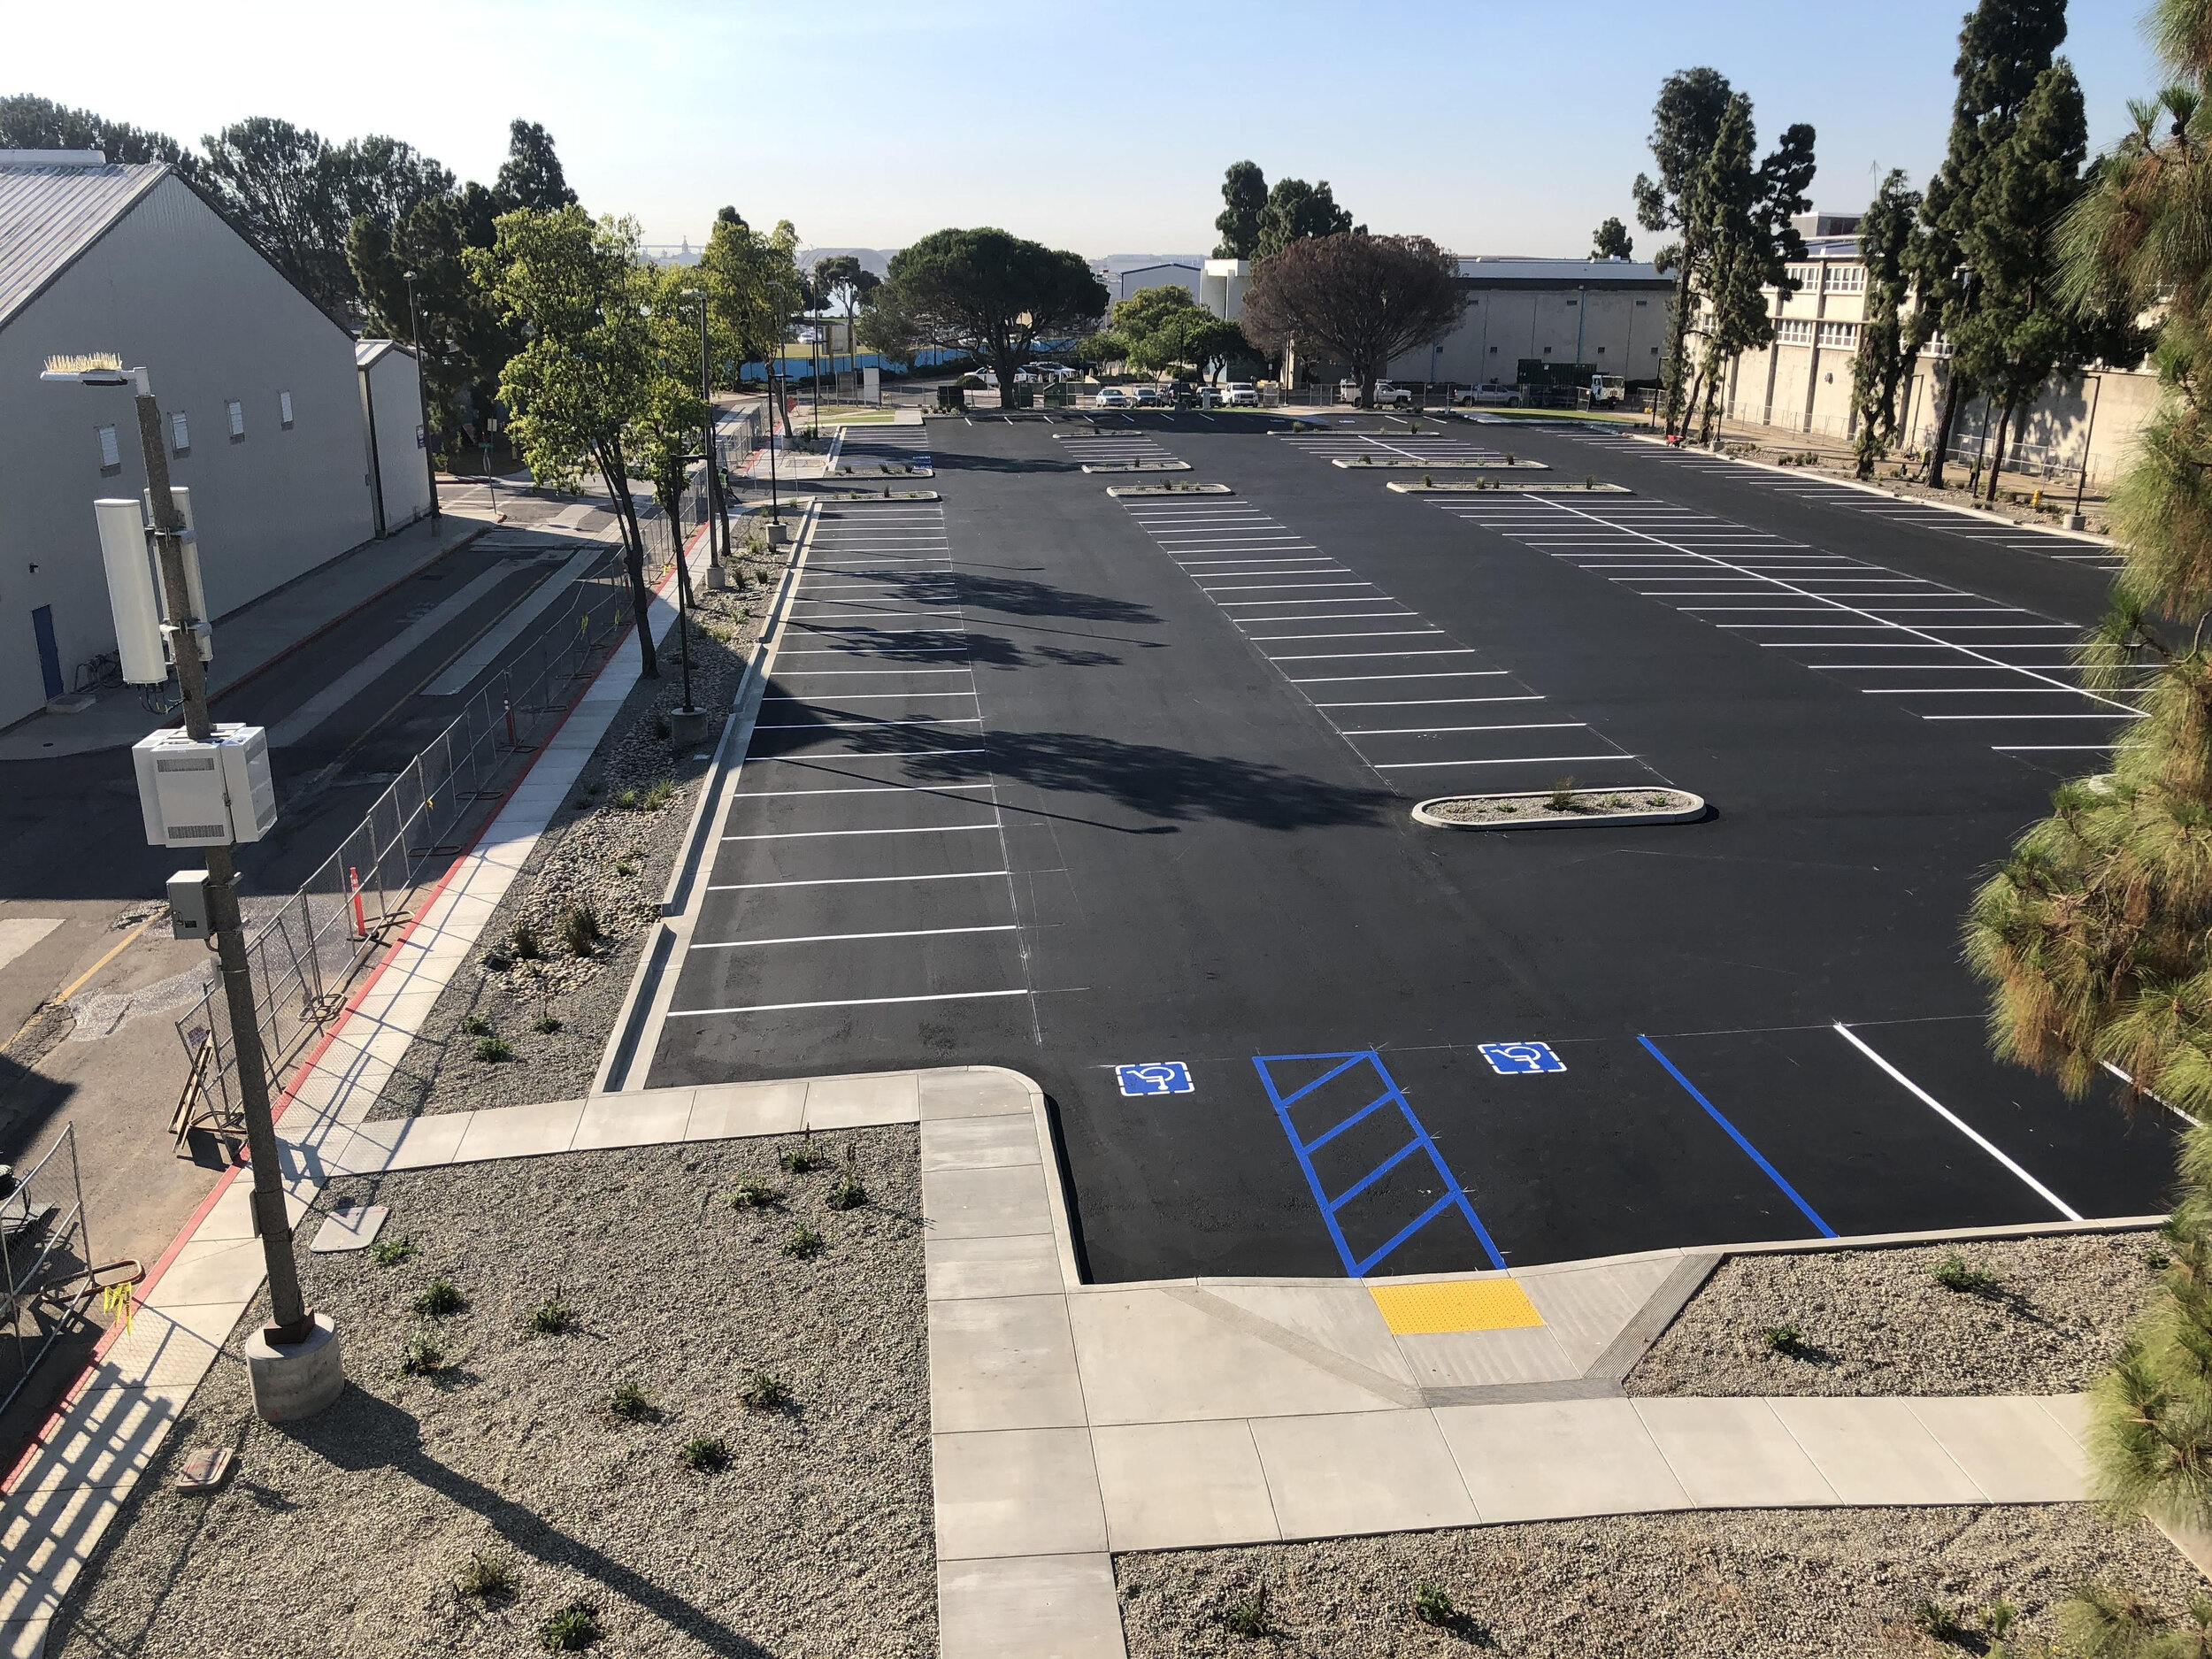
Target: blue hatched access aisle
1374 1170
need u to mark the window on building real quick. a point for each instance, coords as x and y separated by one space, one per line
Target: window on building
1643 301
1842 334
1601 352
284 410
236 410
110 454
1547 351
1655 351
1795 330
1493 351
1802 275
1847 279
179 434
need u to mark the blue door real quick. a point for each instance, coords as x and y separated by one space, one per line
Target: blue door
48 653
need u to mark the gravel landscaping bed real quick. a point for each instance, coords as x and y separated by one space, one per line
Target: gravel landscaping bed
2031 1316
1774 1584
610 851
354 1531
1582 806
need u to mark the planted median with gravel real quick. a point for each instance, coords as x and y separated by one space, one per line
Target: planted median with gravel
1562 804
669 1401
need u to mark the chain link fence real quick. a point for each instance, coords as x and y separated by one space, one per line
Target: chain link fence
303 956
44 1261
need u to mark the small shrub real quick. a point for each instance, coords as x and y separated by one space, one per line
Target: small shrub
1654 800
424 1356
1999 1618
545 1025
494 1050
626 865
848 1193
658 795
709 1454
1249 1617
629 1403
475 1026
765 1393
754 1195
552 1318
2157 1261
802 1242
661 728
1953 1272
489 1581
391 1252
626 800
572 1630
1432 1606
440 1299
1782 1339
1589 480
580 931
1939 1621
800 1159
1427 482
1616 802
524 942
1509 461
1562 795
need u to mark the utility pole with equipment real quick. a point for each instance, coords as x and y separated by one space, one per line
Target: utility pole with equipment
208 786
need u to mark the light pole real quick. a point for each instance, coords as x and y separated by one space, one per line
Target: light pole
303 1383
422 398
719 538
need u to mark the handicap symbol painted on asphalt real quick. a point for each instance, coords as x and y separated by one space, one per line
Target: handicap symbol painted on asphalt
1160 1077
1513 1059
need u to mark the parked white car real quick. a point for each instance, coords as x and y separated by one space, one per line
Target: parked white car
1491 392
1111 397
982 377
1241 394
1052 371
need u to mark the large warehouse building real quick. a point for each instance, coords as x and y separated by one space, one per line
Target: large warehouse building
261 397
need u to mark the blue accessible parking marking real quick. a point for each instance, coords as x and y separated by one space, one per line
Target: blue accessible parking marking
1157 1077
1737 1135
1511 1059
1356 1077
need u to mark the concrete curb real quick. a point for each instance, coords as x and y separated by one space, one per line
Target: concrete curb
1123 492
1511 489
1360 464
645 1008
1683 814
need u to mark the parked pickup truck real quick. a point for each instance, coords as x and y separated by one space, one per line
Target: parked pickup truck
1491 392
1386 393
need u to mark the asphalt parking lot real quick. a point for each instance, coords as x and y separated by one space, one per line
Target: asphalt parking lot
1070 784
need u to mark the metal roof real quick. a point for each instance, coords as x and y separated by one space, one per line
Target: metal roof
1508 268
367 351
51 211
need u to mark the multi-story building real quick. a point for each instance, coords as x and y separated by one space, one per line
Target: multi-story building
1802 383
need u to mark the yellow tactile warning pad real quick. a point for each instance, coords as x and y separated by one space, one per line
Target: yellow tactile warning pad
1472 1304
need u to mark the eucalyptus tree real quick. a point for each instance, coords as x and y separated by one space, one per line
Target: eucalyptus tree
1244 197
1294 211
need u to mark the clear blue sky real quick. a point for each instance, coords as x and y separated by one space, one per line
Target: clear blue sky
1507 127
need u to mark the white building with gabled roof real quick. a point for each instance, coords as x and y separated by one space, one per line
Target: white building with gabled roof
259 392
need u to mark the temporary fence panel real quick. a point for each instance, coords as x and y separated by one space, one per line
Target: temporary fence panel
44 1261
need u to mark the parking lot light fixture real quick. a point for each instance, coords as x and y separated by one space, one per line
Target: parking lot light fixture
292 1322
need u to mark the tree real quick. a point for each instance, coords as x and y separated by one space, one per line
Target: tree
1734 220
1889 243
29 123
462 344
2095 936
886 329
384 179
2004 48
1611 241
1296 211
993 294
1244 190
1685 122
531 176
282 188
843 281
1163 328
579 388
1365 299
752 284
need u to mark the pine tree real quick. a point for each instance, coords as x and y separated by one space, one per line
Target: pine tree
2096 934
1244 193
1890 338
1611 241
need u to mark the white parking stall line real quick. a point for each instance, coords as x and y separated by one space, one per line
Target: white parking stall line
827 939
850 1001
904 829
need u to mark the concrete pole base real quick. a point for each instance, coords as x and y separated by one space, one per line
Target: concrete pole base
685 725
2072 521
298 1380
718 577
